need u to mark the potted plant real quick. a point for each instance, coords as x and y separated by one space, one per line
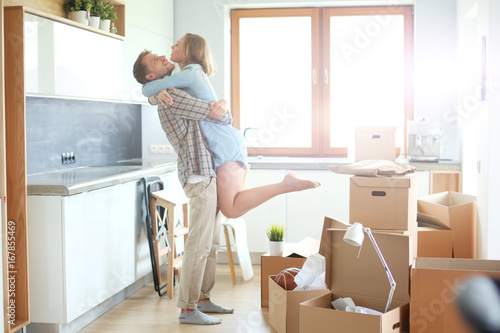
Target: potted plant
95 13
276 233
107 14
78 10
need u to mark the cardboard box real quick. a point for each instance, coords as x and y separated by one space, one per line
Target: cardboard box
412 231
294 255
364 280
284 306
434 283
453 210
329 223
375 143
383 202
271 265
434 242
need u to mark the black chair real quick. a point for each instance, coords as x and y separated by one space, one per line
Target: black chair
153 184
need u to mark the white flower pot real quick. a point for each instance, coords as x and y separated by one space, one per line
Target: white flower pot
80 16
104 25
94 21
276 248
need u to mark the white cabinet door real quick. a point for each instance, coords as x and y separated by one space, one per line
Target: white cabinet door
99 239
306 210
273 211
45 250
423 183
85 248
63 60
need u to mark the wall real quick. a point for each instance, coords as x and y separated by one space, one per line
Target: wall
478 116
493 178
435 51
148 27
97 132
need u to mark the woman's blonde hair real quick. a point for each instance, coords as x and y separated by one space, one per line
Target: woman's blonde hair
197 51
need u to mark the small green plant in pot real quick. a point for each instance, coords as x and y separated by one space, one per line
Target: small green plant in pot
78 5
95 13
107 14
276 235
78 10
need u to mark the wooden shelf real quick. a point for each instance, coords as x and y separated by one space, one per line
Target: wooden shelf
54 10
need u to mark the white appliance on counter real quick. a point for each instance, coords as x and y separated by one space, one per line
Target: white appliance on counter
423 141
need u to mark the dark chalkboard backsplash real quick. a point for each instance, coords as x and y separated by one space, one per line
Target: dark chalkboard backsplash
98 133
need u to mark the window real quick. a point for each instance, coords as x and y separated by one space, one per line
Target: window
303 79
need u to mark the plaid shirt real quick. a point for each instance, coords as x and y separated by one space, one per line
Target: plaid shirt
180 124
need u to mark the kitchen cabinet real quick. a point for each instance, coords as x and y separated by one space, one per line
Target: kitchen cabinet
441 181
14 166
303 212
272 211
64 60
85 248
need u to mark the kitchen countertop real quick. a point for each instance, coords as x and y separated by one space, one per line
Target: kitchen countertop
82 179
322 163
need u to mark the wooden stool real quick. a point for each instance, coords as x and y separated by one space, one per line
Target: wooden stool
168 200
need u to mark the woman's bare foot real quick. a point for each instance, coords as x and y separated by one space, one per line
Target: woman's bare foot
293 183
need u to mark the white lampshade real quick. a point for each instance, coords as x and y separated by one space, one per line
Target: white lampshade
354 235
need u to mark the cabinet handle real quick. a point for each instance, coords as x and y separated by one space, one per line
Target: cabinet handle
315 77
325 76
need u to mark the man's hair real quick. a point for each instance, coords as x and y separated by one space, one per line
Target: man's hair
197 51
140 69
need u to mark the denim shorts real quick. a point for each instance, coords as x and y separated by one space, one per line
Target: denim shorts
225 142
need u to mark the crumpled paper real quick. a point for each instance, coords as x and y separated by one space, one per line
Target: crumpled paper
374 168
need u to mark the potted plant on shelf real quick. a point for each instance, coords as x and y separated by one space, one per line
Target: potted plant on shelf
107 14
95 13
275 234
78 10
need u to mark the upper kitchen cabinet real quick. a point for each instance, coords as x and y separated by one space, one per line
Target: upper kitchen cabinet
64 60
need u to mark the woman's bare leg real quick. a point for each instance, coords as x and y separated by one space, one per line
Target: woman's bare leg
234 201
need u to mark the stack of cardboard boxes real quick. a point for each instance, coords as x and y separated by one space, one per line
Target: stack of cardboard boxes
439 251
388 205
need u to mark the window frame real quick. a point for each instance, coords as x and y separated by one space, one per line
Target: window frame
320 46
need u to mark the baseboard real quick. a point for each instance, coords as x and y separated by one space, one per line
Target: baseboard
91 315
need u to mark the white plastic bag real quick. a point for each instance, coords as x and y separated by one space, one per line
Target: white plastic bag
312 274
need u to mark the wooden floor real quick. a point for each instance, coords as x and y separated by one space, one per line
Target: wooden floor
146 312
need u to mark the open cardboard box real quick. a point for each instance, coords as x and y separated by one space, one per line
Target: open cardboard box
294 256
434 283
383 202
284 306
455 211
272 265
364 280
434 242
